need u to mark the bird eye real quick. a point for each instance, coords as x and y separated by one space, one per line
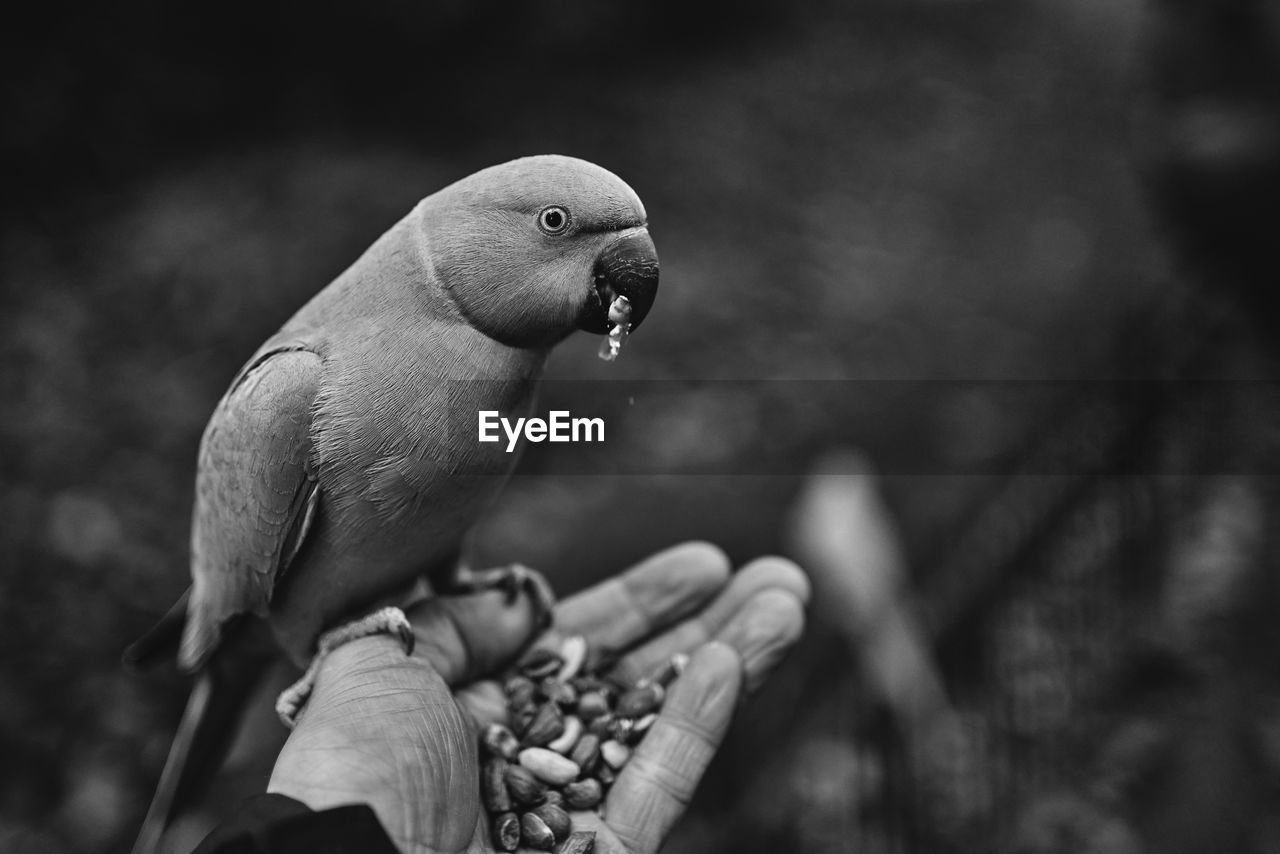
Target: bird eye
553 220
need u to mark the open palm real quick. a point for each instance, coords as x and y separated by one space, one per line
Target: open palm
398 732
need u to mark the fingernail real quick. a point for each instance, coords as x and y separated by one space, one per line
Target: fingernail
763 632
777 572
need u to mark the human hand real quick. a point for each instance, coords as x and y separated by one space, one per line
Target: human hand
399 732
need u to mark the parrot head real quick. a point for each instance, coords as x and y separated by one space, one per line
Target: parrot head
530 250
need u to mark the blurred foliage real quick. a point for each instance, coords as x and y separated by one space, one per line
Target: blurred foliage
878 191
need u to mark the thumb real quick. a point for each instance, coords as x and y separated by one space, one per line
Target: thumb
382 728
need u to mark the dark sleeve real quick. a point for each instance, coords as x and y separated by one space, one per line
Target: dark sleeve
275 824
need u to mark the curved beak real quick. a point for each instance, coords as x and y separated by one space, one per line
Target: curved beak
627 267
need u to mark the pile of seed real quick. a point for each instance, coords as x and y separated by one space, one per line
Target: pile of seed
569 732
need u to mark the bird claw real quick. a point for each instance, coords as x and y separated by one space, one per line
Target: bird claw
407 638
390 621
516 578
544 598
292 699
512 580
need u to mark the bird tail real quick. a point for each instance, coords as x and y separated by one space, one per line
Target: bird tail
161 811
161 642
209 723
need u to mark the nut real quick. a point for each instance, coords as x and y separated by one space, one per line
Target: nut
525 788
587 682
521 719
500 741
493 786
579 842
547 725
664 674
592 704
535 833
560 693
614 753
640 700
519 691
566 741
506 832
574 652
622 728
642 725
540 663
584 794
555 818
586 752
602 726
549 766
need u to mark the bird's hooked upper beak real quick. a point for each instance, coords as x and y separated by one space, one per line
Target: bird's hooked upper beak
627 267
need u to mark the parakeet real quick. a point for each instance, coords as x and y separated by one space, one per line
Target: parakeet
343 466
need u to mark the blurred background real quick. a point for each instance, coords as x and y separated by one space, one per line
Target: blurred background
1004 248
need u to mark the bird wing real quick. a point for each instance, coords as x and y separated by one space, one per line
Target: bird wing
256 493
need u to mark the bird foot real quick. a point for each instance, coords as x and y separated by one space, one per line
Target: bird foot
512 579
390 621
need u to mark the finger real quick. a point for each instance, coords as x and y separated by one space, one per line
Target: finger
763 632
657 783
466 637
763 574
627 608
